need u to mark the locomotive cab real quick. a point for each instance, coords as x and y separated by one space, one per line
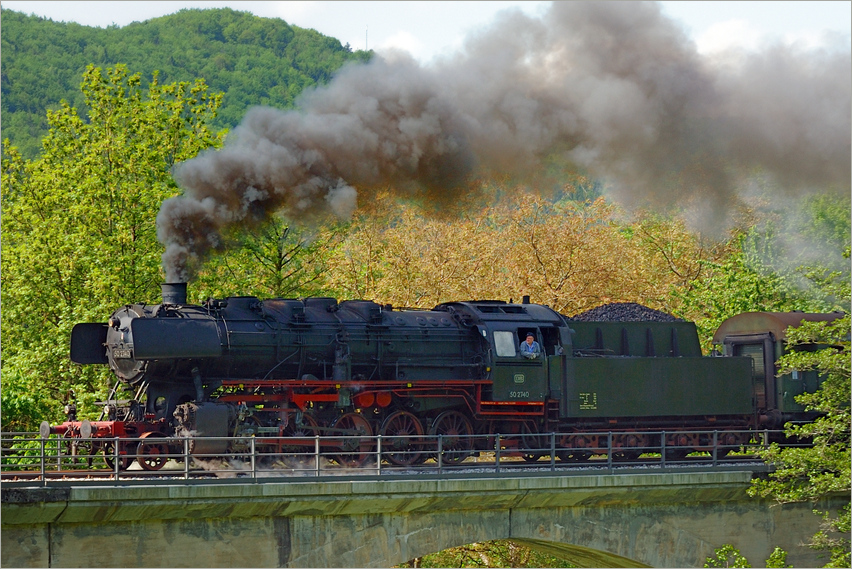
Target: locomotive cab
515 377
504 326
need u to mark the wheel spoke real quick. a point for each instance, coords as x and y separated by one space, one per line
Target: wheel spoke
456 430
359 443
109 456
406 433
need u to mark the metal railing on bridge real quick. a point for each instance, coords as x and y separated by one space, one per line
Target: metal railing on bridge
29 459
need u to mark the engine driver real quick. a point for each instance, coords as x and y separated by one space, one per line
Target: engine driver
530 348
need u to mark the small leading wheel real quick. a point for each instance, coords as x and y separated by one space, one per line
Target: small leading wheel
456 436
109 455
152 452
405 444
356 442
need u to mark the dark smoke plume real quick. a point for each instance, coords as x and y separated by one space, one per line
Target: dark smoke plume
614 88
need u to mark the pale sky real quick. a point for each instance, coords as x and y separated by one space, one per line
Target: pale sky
430 28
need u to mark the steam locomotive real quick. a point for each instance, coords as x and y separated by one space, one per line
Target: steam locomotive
292 372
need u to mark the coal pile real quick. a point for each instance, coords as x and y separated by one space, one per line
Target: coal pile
624 312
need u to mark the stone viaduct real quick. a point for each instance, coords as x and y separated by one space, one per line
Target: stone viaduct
660 519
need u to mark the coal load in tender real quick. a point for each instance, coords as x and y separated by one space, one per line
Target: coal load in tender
624 312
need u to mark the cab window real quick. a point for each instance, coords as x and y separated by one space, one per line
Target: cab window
504 343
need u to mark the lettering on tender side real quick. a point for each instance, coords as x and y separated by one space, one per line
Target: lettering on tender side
589 400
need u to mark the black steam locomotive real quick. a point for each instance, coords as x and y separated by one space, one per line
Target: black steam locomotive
286 371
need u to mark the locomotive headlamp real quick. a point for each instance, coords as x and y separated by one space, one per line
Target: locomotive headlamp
71 411
114 322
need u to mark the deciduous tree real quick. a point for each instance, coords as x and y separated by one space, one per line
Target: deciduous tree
79 231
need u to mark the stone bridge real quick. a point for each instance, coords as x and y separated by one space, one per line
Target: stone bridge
660 519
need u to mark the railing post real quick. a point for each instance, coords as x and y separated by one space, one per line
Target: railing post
609 450
379 454
115 457
186 458
715 447
43 460
663 449
440 453
253 458
552 452
497 453
317 453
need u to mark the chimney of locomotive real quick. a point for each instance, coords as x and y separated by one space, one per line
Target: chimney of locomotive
525 299
174 293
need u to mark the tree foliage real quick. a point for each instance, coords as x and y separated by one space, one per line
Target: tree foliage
730 556
776 261
727 556
568 254
810 473
498 553
252 60
276 259
78 227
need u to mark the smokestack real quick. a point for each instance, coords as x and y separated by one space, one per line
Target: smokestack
174 293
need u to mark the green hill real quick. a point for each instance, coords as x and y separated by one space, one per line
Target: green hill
252 60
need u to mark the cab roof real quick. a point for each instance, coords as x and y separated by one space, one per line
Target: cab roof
478 311
750 323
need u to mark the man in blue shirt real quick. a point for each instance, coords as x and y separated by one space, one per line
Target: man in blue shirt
530 348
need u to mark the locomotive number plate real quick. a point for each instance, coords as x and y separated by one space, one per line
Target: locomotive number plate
121 353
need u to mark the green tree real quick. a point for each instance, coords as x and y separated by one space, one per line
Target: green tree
276 259
810 473
730 556
79 231
727 556
498 553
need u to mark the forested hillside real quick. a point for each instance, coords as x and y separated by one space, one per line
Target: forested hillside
252 60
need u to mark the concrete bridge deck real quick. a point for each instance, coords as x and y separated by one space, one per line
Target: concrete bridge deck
622 520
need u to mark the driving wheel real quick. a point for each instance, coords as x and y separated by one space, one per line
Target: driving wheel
456 436
356 442
405 438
